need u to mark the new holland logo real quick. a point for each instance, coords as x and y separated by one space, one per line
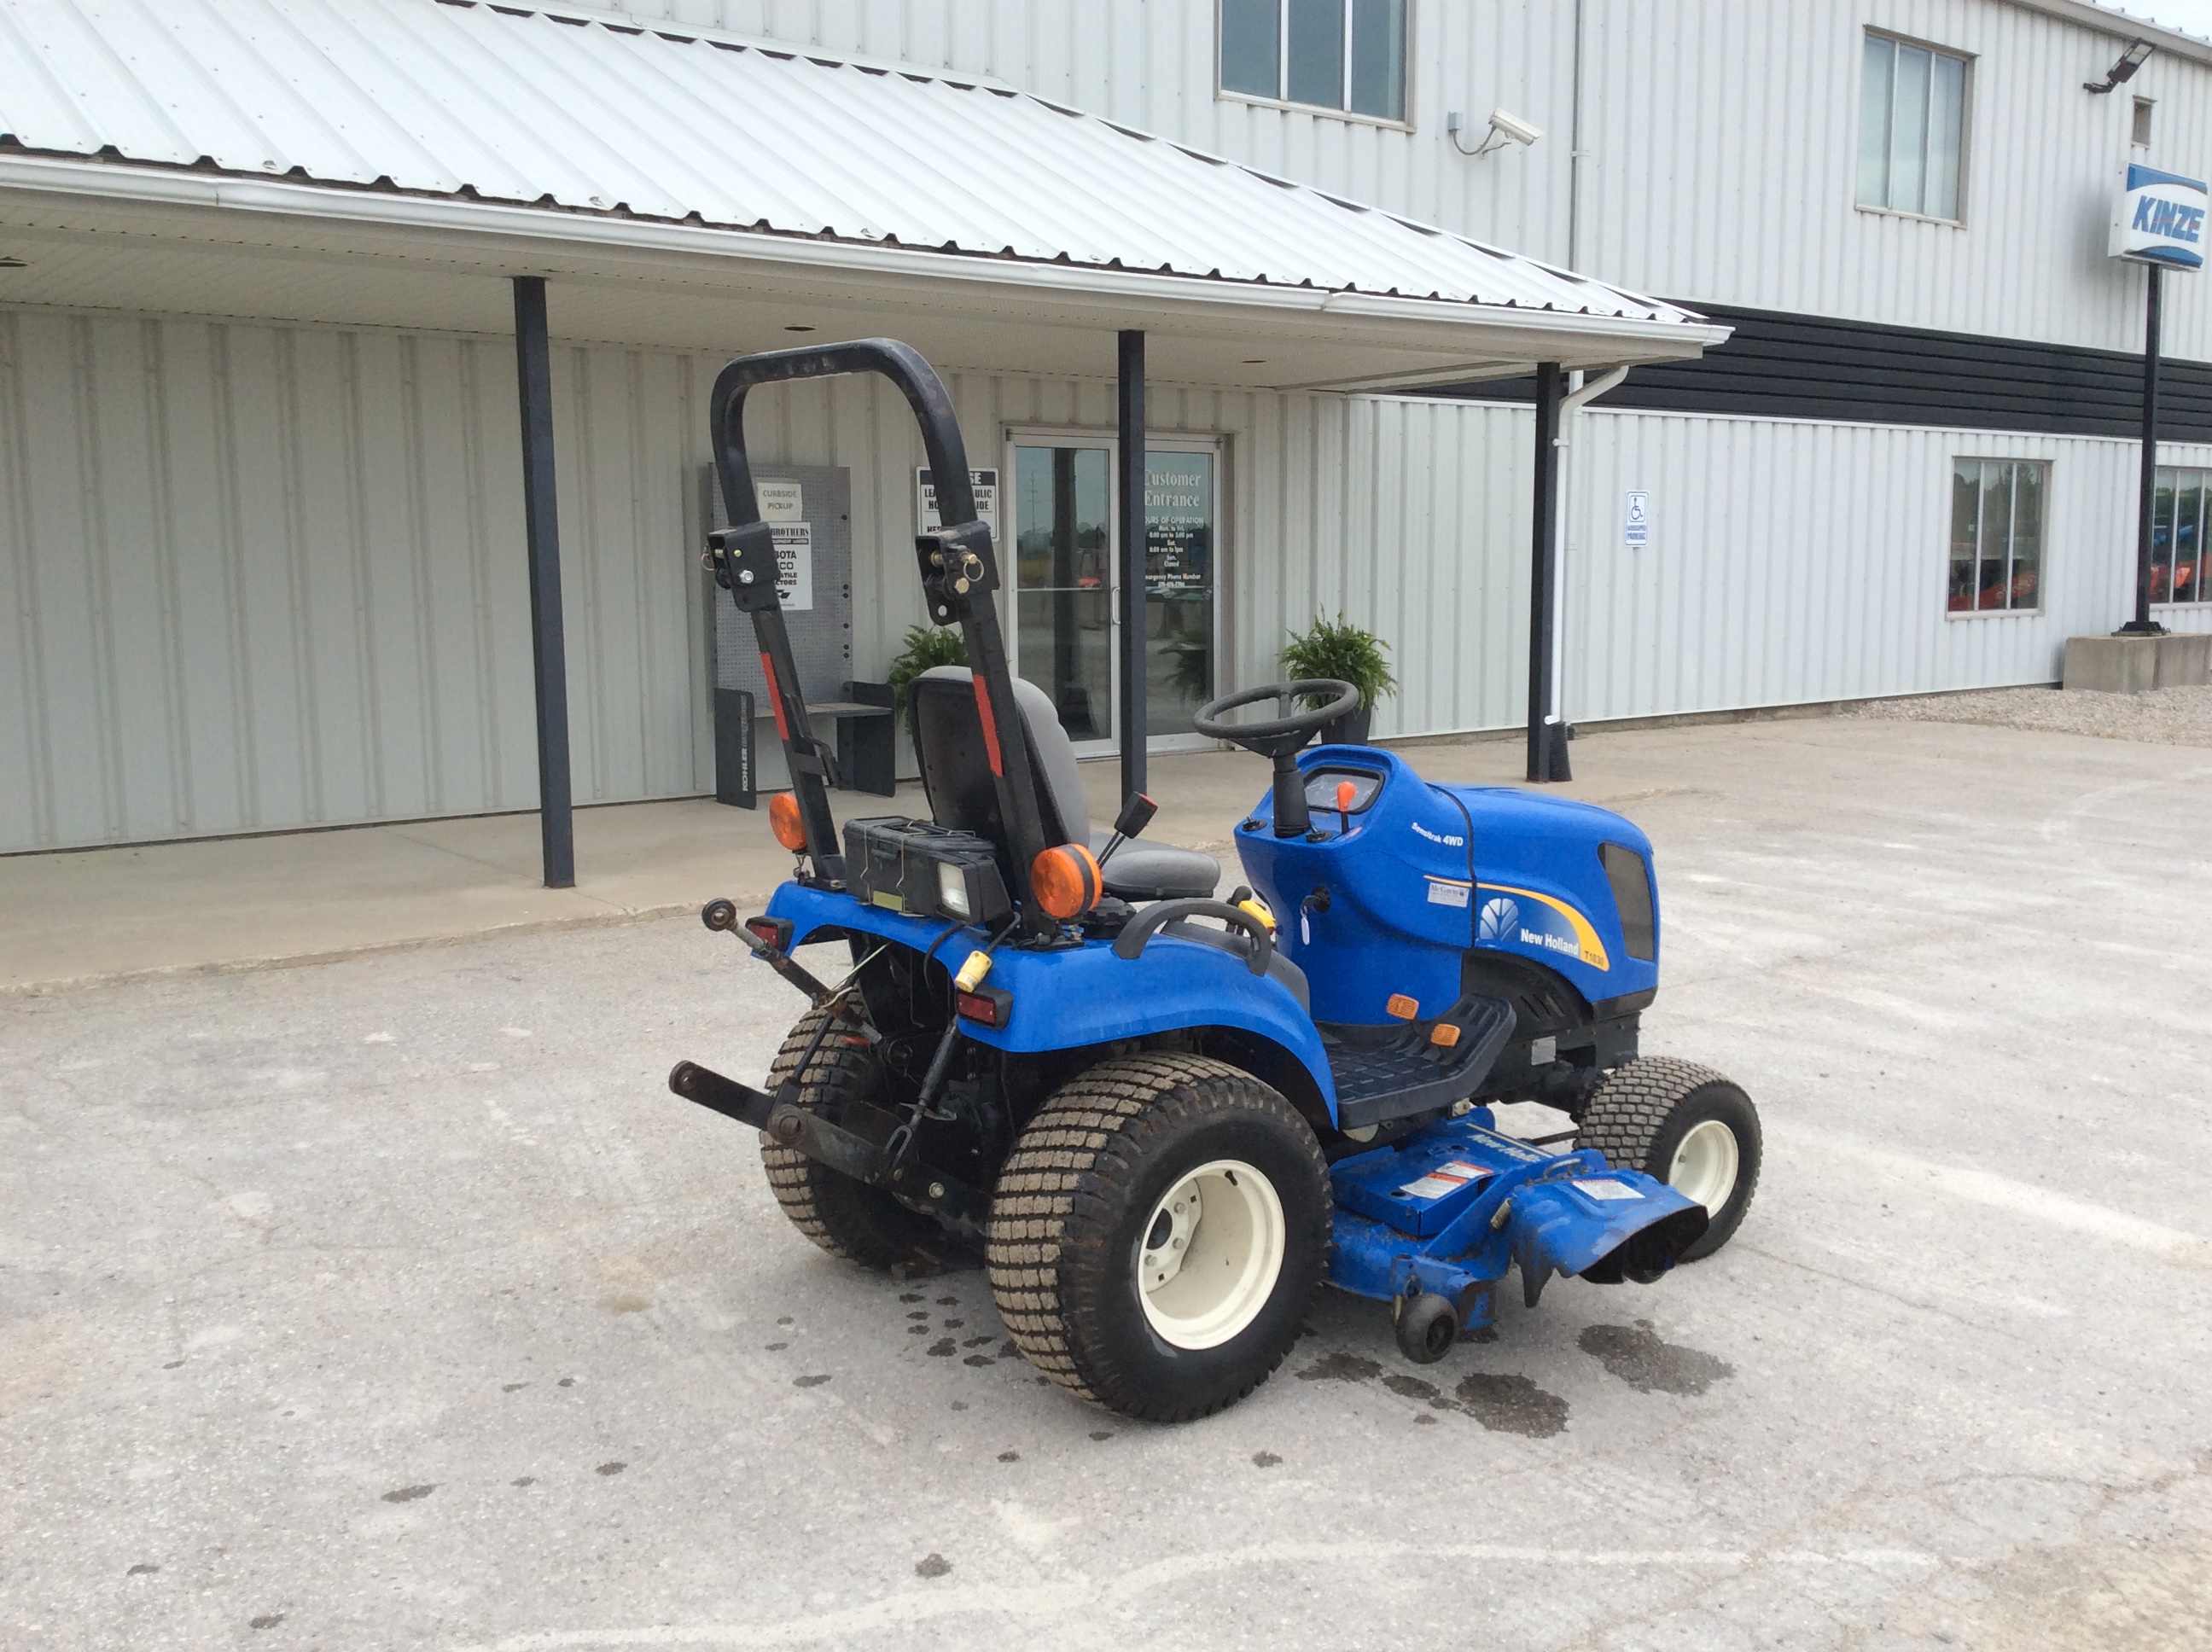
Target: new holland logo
1501 919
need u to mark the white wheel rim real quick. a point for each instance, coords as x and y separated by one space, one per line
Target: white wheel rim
1705 1165
1210 1254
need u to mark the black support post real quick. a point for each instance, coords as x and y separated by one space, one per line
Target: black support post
1547 743
1131 498
2147 490
533 372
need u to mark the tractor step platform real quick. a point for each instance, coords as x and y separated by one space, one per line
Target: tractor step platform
1418 1067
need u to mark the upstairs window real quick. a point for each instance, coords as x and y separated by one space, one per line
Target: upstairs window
1347 56
1912 128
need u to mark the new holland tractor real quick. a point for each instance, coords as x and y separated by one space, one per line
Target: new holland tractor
1167 1120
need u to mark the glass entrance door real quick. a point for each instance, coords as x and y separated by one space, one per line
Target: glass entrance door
1180 519
1063 584
1066 623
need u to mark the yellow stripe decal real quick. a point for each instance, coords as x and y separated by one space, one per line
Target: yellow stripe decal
1593 950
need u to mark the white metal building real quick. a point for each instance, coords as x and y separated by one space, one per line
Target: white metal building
260 521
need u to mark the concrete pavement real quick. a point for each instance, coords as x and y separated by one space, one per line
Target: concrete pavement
395 1303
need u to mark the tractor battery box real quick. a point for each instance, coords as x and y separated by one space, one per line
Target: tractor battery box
924 870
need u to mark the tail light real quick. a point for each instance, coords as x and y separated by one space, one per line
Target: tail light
987 1007
775 931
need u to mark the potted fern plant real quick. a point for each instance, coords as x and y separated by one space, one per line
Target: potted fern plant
1339 649
923 646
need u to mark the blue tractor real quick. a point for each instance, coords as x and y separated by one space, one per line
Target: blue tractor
1167 1120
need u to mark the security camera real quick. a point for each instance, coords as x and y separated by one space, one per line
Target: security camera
1512 125
1505 127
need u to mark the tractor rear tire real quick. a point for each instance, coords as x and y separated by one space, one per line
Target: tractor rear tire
848 1219
1157 1234
1686 1125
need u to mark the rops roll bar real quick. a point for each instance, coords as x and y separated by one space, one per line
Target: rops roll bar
959 571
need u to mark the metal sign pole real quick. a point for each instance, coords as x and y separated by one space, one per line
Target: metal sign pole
2147 490
1547 747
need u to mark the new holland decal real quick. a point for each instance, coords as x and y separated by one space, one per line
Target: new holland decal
1522 917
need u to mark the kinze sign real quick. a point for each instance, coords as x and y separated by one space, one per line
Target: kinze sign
2161 220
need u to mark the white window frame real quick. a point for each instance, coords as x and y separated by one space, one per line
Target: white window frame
2198 603
1403 123
1966 126
2042 551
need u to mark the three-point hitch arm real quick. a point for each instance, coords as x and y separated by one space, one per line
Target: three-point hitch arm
959 572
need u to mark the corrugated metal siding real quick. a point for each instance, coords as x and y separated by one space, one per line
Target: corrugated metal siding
254 578
259 578
1793 561
1722 140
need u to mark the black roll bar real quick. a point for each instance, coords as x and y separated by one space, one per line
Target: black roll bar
959 572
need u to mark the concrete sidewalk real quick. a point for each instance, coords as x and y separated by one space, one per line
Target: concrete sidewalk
80 918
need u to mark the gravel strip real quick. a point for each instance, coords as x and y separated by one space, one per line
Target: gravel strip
2162 717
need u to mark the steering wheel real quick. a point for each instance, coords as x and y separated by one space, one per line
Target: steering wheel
1278 736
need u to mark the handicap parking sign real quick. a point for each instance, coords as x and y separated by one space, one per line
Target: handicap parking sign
1637 532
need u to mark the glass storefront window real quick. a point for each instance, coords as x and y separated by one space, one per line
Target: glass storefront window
1997 513
2180 569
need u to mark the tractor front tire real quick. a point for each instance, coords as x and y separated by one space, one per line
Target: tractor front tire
1158 1233
848 1219
1686 1125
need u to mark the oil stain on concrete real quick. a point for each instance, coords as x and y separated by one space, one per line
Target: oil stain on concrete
1501 1401
1640 1357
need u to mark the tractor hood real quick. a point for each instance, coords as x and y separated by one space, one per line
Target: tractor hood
1385 896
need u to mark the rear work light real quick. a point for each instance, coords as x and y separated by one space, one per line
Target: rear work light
989 1006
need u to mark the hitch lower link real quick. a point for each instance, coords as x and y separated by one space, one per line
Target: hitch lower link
783 1121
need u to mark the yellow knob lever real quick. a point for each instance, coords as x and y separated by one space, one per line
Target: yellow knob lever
1258 908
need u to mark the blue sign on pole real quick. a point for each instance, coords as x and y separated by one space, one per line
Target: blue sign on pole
2162 219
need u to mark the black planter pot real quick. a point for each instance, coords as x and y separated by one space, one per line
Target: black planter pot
1350 729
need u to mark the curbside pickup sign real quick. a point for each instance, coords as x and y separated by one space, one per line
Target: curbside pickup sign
2160 219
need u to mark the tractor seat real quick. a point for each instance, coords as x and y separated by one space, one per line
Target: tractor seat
956 777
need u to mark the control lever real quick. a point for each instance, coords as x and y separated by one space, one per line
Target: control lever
1345 792
1136 814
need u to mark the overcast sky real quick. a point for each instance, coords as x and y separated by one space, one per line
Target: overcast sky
2191 16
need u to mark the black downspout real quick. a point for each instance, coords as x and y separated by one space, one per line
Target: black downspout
533 372
2147 492
1548 746
1132 503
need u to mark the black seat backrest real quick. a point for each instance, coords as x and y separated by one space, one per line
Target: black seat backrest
956 770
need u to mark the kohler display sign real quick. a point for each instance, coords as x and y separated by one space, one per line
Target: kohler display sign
2161 220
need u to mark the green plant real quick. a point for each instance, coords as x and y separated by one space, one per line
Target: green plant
925 646
1337 648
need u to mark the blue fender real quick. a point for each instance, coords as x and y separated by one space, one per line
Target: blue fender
1079 995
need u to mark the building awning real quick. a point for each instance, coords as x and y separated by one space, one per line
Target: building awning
448 135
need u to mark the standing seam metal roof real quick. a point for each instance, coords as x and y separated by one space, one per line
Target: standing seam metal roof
461 99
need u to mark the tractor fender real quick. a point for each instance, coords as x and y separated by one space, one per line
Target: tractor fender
1074 996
